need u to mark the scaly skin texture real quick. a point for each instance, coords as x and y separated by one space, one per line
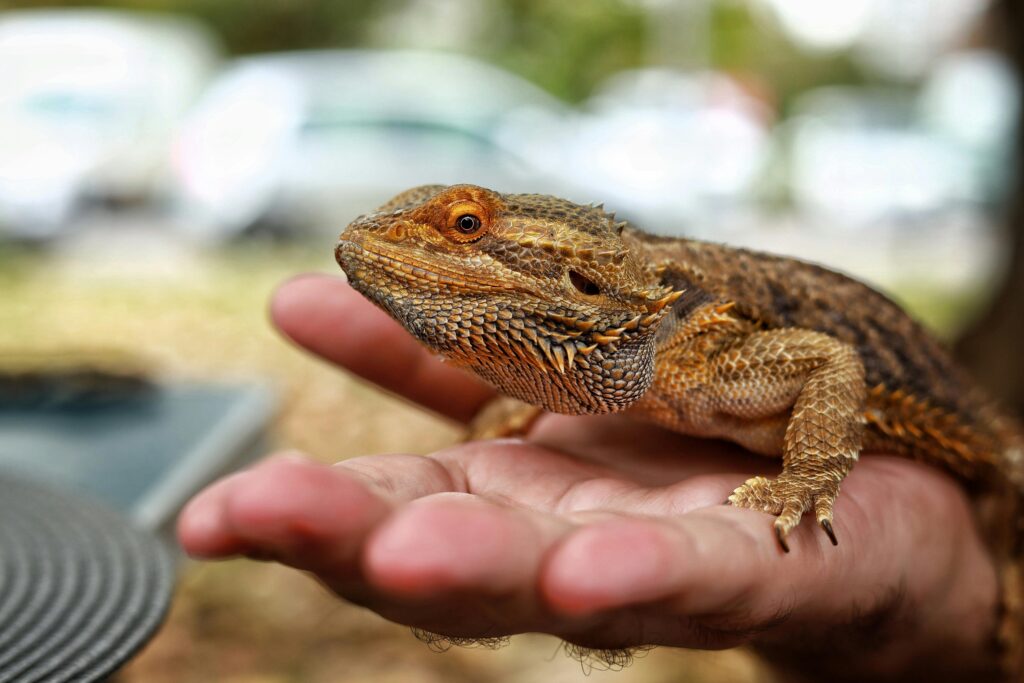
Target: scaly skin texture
565 309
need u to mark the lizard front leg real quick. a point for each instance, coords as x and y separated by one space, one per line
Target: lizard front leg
823 379
790 392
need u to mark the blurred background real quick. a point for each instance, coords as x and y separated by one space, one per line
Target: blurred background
164 163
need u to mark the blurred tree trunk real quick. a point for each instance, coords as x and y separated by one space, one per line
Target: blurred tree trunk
994 347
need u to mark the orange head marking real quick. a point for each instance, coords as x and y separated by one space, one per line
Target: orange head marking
461 213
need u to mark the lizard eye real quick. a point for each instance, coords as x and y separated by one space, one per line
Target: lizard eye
467 224
467 221
583 284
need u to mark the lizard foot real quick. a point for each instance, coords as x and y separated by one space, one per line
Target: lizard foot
503 417
788 499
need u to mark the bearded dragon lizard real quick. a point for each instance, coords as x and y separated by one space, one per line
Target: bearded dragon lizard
564 308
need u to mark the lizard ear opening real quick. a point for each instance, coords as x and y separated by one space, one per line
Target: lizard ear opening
583 284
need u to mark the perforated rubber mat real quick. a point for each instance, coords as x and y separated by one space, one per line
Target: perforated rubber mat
80 589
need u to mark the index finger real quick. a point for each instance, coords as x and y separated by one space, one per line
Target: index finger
325 315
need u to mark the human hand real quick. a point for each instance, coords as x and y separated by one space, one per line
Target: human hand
604 531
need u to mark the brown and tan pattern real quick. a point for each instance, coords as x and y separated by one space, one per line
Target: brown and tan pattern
562 307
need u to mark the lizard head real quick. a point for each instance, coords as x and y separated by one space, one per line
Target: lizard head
539 296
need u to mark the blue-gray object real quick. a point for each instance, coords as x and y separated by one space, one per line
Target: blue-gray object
144 456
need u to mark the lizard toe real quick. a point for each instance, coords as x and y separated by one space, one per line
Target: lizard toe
788 500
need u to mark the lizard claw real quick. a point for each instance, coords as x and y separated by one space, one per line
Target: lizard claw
826 524
780 534
788 499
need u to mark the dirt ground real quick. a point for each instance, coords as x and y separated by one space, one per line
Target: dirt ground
188 314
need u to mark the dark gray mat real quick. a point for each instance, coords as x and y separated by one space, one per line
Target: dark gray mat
81 590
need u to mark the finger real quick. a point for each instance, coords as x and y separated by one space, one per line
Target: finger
331 319
302 513
201 525
460 543
695 560
463 566
286 508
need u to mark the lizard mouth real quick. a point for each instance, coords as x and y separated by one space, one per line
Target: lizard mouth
407 269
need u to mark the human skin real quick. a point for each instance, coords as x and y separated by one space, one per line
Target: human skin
603 530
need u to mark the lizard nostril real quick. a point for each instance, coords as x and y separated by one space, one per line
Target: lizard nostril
397 232
583 284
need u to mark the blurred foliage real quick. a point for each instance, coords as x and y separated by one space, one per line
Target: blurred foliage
568 47
246 26
565 47
751 47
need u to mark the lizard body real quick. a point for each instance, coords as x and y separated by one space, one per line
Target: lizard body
919 403
562 307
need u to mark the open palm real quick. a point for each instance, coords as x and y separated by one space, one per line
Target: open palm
602 530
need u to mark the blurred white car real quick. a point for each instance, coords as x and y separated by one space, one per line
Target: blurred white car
860 156
973 102
89 101
671 150
305 141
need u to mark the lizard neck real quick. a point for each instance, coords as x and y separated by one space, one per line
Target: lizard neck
608 380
